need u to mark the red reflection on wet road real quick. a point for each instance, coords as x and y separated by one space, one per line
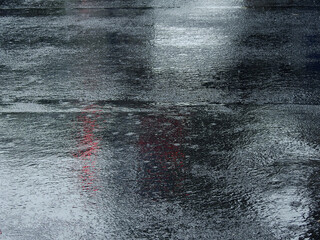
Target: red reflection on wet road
84 8
162 168
88 147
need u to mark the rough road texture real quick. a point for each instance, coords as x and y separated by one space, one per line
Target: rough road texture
177 119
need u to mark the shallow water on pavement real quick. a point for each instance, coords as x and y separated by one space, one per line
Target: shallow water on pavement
157 120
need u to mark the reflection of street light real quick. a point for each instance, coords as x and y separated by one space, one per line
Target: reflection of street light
88 147
162 169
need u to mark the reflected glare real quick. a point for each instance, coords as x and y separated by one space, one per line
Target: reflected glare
88 147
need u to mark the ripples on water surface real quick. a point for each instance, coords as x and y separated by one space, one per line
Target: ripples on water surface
180 172
149 120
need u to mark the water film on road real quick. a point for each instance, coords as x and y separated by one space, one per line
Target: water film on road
183 119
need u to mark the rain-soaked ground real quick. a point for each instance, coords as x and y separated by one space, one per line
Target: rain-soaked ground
182 119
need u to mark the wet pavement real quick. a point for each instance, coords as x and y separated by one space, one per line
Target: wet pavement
178 119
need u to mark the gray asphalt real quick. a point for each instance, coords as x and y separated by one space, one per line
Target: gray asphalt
183 119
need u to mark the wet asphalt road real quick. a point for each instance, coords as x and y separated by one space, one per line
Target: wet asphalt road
193 119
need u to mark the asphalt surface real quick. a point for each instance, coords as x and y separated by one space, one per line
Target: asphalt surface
160 119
